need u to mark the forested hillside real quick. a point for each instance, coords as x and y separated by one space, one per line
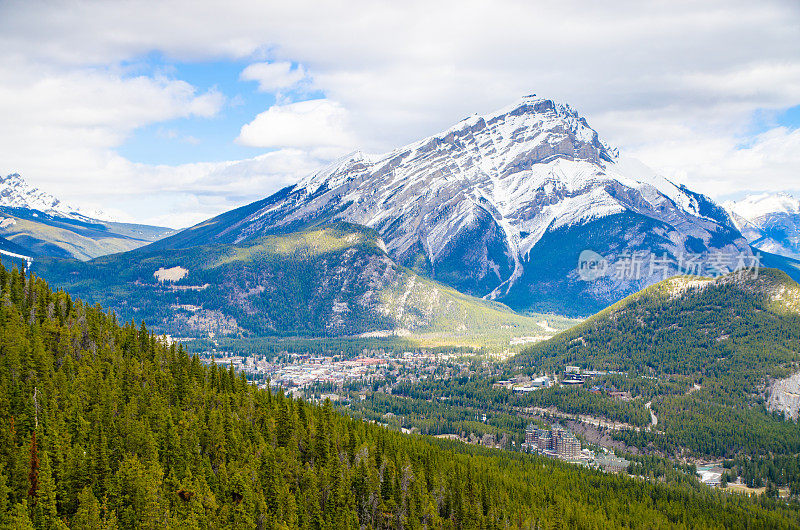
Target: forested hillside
105 427
712 345
701 355
327 281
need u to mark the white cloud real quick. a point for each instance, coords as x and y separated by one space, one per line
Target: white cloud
179 196
674 83
317 123
60 128
274 77
721 167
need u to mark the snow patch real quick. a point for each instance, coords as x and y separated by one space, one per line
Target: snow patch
755 206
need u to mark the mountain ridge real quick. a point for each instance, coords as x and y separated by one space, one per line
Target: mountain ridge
43 225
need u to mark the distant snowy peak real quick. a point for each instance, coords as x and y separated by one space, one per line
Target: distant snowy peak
15 192
769 221
754 206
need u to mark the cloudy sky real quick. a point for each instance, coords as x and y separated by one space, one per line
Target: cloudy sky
168 112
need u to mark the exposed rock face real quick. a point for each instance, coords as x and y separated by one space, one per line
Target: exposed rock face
784 396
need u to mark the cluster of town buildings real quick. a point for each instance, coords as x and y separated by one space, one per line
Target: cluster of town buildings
525 385
296 372
572 376
308 370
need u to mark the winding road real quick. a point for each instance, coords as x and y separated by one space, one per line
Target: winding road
653 417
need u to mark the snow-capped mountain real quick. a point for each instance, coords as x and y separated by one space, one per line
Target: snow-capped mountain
771 222
15 192
43 225
501 205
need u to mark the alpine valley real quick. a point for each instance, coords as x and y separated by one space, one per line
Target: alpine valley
416 299
110 428
389 307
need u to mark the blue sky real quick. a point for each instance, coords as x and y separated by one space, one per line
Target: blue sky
790 118
765 119
201 139
117 106
213 139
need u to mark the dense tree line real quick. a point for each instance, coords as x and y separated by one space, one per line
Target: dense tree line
102 426
476 393
273 347
755 472
437 417
654 467
582 401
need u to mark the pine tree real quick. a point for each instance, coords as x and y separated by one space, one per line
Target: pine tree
33 473
88 516
45 509
20 519
5 504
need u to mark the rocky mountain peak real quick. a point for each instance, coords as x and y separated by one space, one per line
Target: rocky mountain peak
535 120
497 202
15 192
532 132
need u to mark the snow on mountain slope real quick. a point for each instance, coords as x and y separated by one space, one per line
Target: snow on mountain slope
471 205
15 192
770 222
45 226
755 206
